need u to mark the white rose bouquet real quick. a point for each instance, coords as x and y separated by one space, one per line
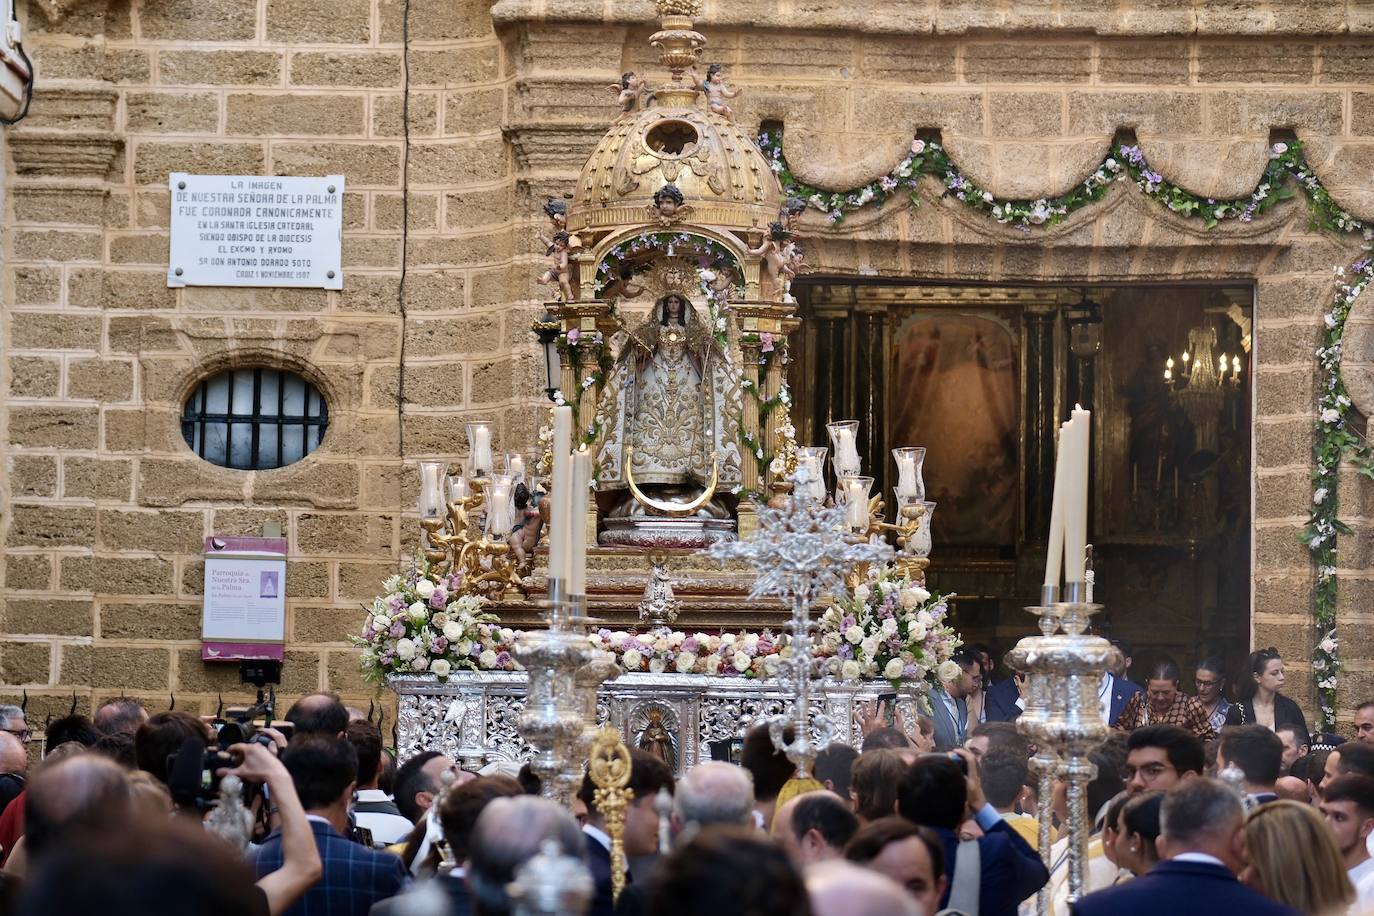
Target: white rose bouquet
424 623
666 651
890 628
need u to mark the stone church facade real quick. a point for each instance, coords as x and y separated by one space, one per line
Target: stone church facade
452 120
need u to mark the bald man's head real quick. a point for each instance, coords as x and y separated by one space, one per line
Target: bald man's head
318 714
13 757
841 888
84 794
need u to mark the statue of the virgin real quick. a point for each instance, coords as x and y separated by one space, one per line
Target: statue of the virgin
669 416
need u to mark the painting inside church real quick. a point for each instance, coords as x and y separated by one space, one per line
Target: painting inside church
960 372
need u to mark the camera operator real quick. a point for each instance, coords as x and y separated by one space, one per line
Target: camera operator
324 771
300 864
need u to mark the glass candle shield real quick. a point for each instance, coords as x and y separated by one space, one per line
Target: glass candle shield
856 493
431 503
812 460
920 542
479 448
500 505
910 482
844 438
456 487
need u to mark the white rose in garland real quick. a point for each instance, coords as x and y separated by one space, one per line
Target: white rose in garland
441 668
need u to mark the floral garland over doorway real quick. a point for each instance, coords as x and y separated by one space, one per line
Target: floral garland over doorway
1335 441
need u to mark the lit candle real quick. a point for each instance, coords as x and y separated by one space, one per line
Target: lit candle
1168 375
1186 357
479 444
559 532
581 479
431 489
1235 366
457 487
1169 363
1054 552
1076 507
856 490
1223 364
909 483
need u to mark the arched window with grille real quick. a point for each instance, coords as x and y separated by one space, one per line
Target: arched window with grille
254 418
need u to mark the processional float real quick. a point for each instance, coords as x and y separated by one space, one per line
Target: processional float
668 479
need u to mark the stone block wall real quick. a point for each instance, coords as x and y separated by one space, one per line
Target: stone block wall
450 128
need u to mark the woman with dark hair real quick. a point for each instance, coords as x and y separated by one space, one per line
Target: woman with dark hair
1210 681
1262 703
1137 833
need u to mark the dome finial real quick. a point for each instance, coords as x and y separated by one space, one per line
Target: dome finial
679 46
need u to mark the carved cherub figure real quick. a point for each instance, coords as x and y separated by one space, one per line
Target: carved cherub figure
717 89
632 92
790 211
558 271
791 264
622 287
525 537
557 212
669 205
773 276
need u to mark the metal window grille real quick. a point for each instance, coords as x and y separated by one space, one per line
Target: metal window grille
254 419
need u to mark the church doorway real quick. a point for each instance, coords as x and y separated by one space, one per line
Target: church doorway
981 376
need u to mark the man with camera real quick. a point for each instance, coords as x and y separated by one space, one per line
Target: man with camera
324 771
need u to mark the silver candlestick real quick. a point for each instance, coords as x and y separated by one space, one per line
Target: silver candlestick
1075 726
554 720
802 553
1041 688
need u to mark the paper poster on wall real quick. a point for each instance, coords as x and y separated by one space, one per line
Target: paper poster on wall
244 615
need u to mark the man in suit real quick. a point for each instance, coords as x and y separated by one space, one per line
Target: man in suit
1005 700
936 793
648 774
1258 753
1113 694
1202 842
324 770
949 701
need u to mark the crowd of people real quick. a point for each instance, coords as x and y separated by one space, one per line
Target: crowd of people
1199 804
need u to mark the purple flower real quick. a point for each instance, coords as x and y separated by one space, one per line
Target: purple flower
438 599
502 659
847 622
397 630
845 651
369 632
690 645
440 645
765 342
396 603
909 671
387 658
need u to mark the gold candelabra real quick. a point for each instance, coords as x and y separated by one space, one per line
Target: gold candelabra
456 542
609 767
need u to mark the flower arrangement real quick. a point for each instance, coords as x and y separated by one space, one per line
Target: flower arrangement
424 623
892 628
667 651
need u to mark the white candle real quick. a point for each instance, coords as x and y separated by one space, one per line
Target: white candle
845 452
581 479
500 505
1076 508
559 531
909 484
457 487
479 443
1054 553
516 467
431 489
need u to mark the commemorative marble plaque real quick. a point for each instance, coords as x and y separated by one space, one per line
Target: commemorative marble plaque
249 230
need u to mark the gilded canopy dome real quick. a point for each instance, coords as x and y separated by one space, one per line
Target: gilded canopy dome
713 162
